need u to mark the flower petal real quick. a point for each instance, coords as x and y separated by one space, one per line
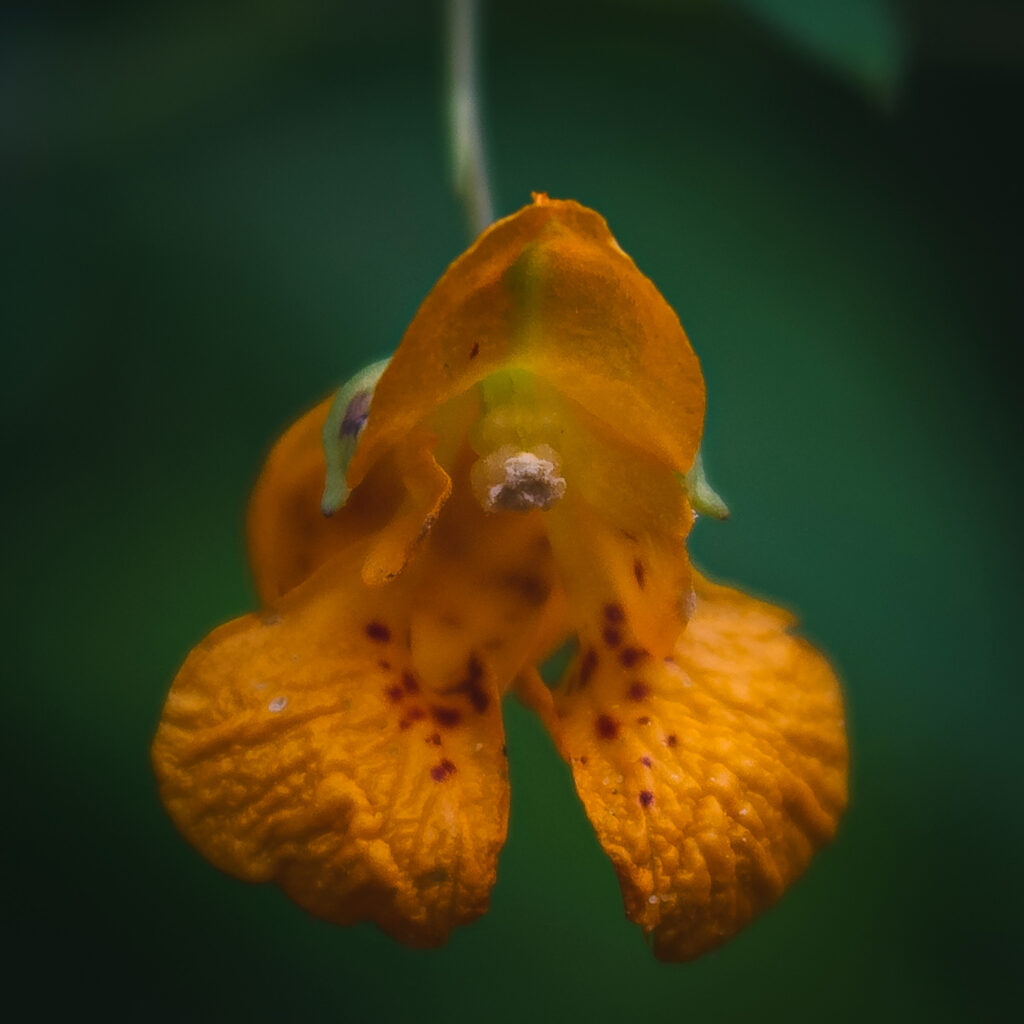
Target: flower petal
710 777
619 536
547 290
300 746
348 743
427 488
290 537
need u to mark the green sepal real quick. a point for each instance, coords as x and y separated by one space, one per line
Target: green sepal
703 497
340 444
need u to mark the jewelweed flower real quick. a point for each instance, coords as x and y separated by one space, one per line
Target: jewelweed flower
515 478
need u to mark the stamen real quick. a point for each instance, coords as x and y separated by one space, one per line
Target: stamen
518 481
517 470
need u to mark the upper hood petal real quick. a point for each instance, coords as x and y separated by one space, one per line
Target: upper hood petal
550 291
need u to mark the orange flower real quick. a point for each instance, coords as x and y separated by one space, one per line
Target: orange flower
517 483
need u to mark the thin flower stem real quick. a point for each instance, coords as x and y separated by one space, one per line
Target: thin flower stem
469 164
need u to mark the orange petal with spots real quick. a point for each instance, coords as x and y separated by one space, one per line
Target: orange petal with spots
712 777
548 291
491 571
302 747
619 536
347 744
485 583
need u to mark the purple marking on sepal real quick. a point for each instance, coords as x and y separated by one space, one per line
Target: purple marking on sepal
355 415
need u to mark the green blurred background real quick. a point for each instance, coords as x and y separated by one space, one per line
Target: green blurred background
213 213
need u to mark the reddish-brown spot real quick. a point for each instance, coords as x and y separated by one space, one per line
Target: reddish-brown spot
637 691
394 693
409 682
434 739
378 631
629 656
475 350
478 698
412 715
442 770
646 798
587 665
639 572
531 589
386 665
504 750
671 739
643 720
646 761
448 718
613 613
612 637
606 726
583 759
471 686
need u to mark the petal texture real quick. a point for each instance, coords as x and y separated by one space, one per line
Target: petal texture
712 776
300 746
348 743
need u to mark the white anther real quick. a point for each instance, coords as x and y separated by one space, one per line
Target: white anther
519 481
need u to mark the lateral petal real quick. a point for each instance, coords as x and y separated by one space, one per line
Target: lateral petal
348 745
301 747
712 776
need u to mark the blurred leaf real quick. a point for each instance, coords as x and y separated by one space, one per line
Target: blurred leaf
859 38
